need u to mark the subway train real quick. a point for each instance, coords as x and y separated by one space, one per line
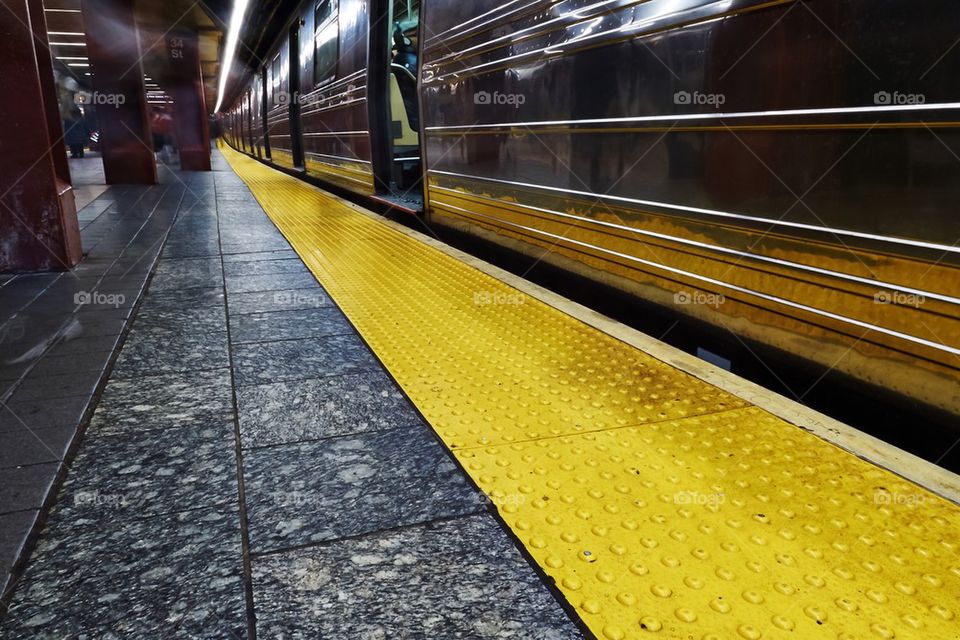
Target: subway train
785 170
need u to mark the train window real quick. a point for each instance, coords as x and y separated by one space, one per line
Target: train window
326 41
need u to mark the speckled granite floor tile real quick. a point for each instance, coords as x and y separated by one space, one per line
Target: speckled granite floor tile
297 411
247 284
264 267
187 273
129 605
289 325
298 494
148 474
186 400
154 318
198 249
169 544
264 362
272 244
259 255
154 354
197 297
287 300
460 578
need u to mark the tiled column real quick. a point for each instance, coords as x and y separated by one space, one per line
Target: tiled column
185 85
114 49
38 217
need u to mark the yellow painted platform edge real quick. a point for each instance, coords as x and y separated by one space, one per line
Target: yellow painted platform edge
869 448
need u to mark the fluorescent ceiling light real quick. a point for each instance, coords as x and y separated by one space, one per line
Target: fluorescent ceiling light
230 49
65 33
67 44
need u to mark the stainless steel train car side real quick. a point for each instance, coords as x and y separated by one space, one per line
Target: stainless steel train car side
764 166
784 170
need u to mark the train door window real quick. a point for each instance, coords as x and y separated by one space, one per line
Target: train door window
326 41
404 104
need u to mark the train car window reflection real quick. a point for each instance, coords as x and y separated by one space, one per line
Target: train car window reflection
326 41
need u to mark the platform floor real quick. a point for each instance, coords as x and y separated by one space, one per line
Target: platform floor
321 425
250 468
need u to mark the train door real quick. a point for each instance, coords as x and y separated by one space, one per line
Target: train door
394 101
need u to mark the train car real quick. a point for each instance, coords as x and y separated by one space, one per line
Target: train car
784 170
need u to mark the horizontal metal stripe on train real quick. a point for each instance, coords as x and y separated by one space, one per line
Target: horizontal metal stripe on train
710 212
340 168
327 134
461 31
721 128
696 14
347 78
332 175
329 155
539 28
332 107
710 247
319 94
732 115
714 281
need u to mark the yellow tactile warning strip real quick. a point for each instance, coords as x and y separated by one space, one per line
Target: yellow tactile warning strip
660 505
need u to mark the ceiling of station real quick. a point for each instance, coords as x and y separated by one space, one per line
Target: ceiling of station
156 18
264 22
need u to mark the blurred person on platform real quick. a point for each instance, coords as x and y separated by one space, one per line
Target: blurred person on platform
76 133
160 126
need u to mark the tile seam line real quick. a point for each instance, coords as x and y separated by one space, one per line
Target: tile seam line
407 424
863 446
480 512
248 595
